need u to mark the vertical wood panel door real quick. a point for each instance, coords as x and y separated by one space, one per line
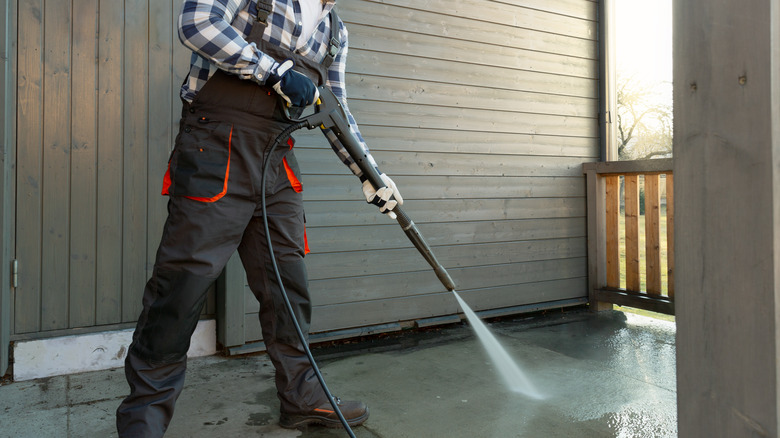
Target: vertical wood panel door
96 105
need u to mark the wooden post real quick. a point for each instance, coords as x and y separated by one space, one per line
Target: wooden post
727 205
596 236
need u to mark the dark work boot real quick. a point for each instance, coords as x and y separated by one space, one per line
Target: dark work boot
355 412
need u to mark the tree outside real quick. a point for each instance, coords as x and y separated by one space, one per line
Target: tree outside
644 79
644 120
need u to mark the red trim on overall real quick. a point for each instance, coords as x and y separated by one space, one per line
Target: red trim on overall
298 187
167 180
294 181
296 184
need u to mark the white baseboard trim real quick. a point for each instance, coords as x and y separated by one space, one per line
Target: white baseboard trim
91 352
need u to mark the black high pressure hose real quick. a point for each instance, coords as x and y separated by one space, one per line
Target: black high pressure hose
284 134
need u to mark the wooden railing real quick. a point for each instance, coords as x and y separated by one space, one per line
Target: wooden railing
613 282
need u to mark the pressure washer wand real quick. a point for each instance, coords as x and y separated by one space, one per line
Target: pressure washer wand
331 115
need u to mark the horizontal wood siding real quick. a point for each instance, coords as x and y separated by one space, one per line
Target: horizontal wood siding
97 111
482 112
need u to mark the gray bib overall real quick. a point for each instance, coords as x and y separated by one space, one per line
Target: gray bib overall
213 180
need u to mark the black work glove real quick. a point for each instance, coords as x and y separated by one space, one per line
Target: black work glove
295 88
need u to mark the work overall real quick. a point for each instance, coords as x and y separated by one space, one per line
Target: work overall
213 180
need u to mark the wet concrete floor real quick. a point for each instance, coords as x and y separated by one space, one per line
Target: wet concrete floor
602 375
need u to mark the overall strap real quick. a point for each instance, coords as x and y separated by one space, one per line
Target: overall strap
264 8
334 45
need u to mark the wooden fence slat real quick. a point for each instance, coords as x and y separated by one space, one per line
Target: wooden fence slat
55 257
612 234
29 157
136 105
632 232
670 232
110 163
83 170
653 234
8 84
160 128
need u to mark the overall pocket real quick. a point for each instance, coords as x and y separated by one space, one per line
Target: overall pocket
200 164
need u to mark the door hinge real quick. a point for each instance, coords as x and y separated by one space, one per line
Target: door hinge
15 273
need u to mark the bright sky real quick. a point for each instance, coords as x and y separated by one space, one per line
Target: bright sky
644 39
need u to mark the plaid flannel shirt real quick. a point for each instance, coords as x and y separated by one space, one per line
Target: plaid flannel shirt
216 31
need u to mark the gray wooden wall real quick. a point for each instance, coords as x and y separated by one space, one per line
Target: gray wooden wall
96 112
482 111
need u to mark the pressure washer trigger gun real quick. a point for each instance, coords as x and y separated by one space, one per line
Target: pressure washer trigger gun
326 110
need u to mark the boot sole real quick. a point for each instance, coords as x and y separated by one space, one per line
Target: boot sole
301 421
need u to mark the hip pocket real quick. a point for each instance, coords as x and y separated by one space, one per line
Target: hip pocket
200 164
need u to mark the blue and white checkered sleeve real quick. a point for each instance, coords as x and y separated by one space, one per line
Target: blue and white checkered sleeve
204 27
336 82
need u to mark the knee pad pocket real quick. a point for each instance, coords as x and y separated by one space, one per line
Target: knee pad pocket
178 299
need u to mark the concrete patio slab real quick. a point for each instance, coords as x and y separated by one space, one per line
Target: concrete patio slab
602 375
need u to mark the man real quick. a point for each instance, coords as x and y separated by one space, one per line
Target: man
247 55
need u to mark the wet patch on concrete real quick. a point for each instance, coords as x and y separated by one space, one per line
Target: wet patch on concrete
262 414
261 419
217 422
631 422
